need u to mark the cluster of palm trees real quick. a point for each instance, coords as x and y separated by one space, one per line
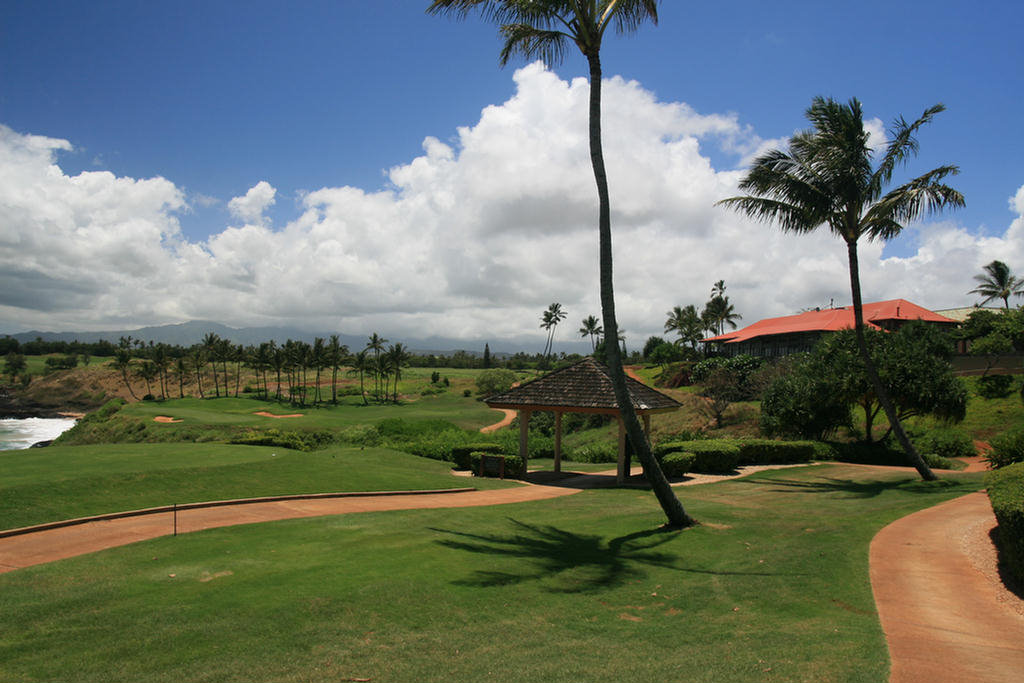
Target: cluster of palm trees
296 368
691 326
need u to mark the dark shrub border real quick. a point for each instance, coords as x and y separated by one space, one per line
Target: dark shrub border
1006 493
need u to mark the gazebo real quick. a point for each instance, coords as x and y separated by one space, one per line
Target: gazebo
584 387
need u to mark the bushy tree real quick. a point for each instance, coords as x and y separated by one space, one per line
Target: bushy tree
494 381
13 364
816 396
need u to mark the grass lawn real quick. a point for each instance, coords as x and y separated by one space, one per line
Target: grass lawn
772 587
61 482
986 417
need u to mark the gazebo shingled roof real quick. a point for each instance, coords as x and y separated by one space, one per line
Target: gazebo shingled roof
582 387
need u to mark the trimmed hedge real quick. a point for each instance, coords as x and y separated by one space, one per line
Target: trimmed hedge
461 454
1006 493
513 465
770 452
711 456
717 456
675 465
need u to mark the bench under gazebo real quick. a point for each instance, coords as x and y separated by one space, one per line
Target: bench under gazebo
584 387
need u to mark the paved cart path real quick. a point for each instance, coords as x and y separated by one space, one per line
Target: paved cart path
945 613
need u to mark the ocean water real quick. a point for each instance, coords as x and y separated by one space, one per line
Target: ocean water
23 432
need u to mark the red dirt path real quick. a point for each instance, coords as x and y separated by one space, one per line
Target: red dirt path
946 616
504 422
56 544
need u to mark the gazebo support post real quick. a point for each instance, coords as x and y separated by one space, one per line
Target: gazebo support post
524 437
621 474
558 441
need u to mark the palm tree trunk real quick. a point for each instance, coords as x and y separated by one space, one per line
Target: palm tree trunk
670 504
869 367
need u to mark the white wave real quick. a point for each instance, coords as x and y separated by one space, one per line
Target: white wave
23 432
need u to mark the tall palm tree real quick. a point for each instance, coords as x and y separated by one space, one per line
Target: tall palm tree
198 361
547 324
591 328
123 360
718 313
336 353
549 321
398 357
545 29
828 177
361 362
211 343
376 344
687 323
998 282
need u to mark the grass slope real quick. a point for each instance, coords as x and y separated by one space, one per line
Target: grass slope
772 587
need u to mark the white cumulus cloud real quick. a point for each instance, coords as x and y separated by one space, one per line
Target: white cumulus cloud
252 204
471 239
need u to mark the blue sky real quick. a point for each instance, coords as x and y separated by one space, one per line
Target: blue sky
216 97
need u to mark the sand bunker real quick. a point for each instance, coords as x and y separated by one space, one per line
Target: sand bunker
165 419
264 413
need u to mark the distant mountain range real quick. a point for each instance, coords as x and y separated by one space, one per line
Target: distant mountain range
192 332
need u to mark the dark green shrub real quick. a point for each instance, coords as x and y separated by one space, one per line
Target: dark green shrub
675 465
461 454
768 452
513 465
436 446
299 441
595 452
995 386
1006 493
360 435
946 443
466 393
1007 449
711 456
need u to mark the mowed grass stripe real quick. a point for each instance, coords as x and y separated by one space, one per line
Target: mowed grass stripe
51 484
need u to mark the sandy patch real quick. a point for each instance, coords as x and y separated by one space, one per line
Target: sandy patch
264 413
165 420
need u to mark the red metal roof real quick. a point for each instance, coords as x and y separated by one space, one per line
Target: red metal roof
832 319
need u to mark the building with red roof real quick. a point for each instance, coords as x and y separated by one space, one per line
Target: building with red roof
795 333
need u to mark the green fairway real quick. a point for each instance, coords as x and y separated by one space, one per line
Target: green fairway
49 484
461 411
772 587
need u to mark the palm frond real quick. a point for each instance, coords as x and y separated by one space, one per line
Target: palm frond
627 15
790 217
923 195
530 42
902 146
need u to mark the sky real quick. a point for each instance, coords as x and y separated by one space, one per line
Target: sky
360 166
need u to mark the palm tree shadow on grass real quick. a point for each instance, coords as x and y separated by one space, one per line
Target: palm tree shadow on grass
575 563
855 489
